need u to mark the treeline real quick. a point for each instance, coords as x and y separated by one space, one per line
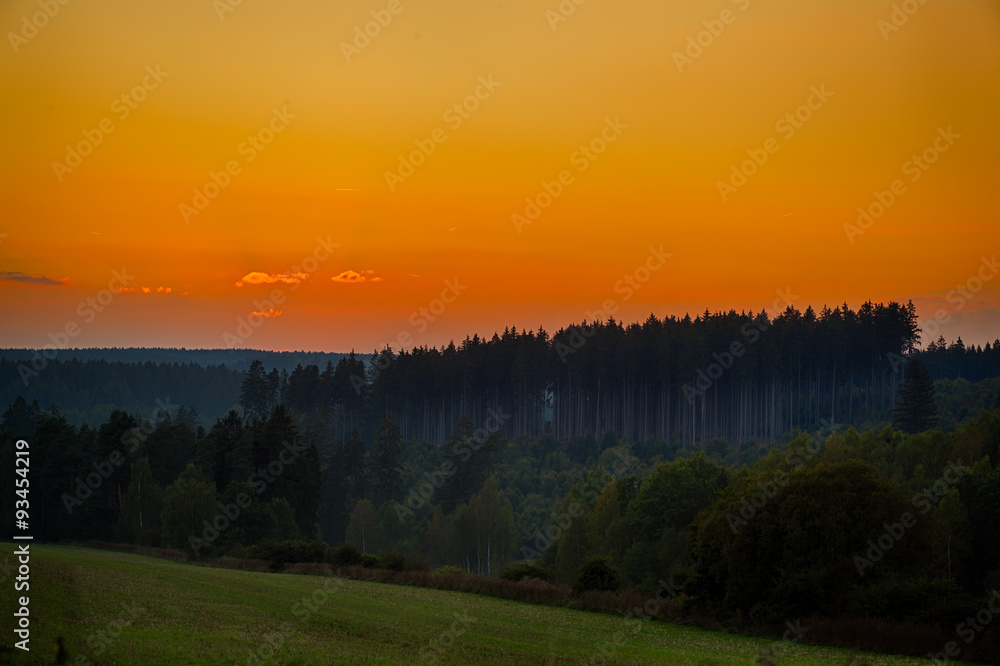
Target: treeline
956 361
738 376
88 391
235 358
742 377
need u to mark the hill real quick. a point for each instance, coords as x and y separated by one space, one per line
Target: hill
128 609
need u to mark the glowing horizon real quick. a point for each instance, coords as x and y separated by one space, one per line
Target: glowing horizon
517 160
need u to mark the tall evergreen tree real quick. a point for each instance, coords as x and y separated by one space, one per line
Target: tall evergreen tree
353 461
385 476
915 411
254 392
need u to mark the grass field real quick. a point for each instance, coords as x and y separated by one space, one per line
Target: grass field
144 610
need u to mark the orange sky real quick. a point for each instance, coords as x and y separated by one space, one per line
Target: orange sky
203 80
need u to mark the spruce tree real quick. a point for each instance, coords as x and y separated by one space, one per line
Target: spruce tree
915 412
385 472
254 391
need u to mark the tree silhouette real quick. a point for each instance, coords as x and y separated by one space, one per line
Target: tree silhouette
254 393
386 480
915 411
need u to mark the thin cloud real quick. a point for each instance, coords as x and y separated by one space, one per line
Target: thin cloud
18 276
268 313
354 277
145 290
257 277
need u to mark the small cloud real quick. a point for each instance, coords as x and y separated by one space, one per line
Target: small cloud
18 276
257 277
267 313
145 290
354 277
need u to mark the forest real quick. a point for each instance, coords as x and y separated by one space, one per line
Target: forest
844 472
640 381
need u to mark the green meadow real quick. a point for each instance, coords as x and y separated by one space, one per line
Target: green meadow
119 608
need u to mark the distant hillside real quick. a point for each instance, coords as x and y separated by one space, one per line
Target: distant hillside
234 359
88 384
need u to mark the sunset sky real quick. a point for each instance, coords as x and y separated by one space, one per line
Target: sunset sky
188 87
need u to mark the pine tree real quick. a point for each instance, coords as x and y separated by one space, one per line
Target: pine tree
385 473
254 391
915 412
353 462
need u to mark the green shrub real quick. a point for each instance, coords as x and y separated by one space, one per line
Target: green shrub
281 553
345 555
452 570
520 570
394 561
597 573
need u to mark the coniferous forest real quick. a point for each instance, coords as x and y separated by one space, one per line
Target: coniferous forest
767 468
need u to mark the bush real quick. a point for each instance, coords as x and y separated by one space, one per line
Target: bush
345 555
921 600
451 570
281 553
369 561
393 561
597 573
521 570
